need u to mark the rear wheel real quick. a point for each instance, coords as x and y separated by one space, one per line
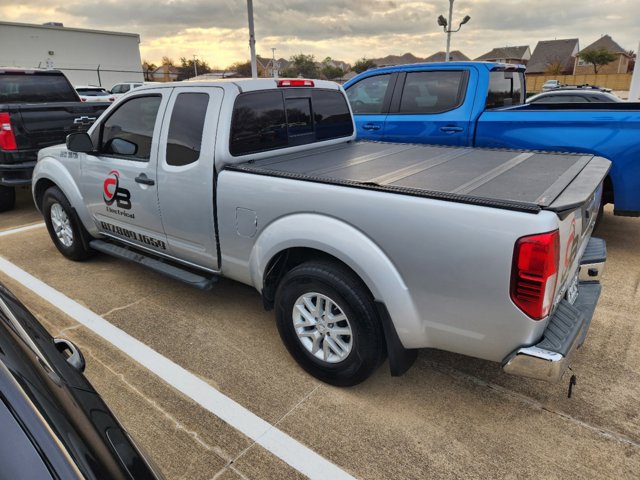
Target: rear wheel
64 229
327 321
7 198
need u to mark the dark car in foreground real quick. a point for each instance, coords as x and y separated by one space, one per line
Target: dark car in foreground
574 95
53 424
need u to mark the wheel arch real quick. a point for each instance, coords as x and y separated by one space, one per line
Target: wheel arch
50 172
298 238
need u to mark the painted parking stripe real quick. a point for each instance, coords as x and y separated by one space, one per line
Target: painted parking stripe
4 233
298 456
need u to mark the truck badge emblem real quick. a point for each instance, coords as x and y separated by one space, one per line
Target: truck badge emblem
112 192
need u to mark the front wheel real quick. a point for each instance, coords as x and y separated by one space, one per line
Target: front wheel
64 229
327 320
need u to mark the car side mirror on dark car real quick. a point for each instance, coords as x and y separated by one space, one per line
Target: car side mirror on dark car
79 142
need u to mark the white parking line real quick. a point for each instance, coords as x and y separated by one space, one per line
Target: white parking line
21 229
300 457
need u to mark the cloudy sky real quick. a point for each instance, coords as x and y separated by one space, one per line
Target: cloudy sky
216 30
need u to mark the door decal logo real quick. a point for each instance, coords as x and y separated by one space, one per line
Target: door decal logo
112 192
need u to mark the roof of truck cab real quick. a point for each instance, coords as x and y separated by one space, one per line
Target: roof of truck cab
435 65
242 84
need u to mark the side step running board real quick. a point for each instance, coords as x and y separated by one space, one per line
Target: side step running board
160 266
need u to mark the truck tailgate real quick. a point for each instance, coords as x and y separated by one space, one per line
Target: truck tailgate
46 124
516 180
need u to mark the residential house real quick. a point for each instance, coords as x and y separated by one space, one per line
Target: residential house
515 55
619 65
165 73
454 56
554 57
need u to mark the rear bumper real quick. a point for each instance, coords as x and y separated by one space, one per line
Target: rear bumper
567 328
16 174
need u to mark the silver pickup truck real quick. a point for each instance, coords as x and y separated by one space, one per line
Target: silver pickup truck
365 250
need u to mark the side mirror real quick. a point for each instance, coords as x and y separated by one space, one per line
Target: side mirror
120 146
79 142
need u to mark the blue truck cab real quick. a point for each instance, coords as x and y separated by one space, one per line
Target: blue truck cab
482 104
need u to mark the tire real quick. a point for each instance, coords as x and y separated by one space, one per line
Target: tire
64 229
342 352
7 198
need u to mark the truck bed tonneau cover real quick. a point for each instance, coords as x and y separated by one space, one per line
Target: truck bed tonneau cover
515 180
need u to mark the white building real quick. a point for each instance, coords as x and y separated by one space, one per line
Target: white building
87 57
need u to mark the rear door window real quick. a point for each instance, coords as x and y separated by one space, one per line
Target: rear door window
368 95
185 130
433 92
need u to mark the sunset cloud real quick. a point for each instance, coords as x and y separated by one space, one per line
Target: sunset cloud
216 30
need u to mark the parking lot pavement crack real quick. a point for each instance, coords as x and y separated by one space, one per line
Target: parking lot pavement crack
64 331
124 307
532 403
177 424
274 426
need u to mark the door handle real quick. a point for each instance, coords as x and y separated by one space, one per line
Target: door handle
371 126
143 179
451 129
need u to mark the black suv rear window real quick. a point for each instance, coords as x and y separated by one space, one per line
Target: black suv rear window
35 88
286 117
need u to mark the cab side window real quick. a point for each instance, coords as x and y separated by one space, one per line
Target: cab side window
367 96
433 92
186 127
128 132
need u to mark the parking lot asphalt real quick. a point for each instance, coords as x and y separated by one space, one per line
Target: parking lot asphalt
450 416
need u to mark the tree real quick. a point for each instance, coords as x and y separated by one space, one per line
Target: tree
301 65
598 57
329 71
148 69
168 61
243 69
187 70
553 68
363 65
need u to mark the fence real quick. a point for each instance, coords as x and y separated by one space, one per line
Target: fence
614 81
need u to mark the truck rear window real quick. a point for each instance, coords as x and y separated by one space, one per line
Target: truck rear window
283 118
35 88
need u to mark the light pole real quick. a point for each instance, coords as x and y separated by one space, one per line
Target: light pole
444 24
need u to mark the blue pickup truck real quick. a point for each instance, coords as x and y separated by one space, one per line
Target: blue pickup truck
482 104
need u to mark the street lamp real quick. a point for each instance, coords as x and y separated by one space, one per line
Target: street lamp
444 24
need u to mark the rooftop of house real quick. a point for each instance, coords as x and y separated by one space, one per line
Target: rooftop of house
549 52
505 53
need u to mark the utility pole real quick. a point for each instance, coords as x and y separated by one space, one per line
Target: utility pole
195 65
274 66
252 40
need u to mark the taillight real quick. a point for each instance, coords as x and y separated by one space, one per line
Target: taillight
295 83
7 138
111 99
82 99
535 272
